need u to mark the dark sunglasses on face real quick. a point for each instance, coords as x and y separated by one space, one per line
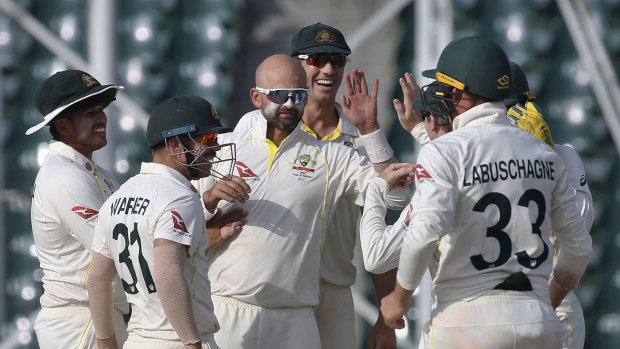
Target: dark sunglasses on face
281 95
337 60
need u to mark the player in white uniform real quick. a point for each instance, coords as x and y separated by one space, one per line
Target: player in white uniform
152 233
524 113
68 191
325 54
489 194
265 280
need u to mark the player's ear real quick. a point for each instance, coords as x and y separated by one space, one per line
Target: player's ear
63 126
255 97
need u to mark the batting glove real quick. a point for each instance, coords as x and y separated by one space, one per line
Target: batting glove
530 119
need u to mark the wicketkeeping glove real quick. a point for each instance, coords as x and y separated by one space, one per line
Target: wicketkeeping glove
529 118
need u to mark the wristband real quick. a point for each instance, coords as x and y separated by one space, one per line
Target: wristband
377 147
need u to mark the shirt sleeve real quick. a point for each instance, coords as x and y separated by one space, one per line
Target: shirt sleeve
569 227
420 134
577 178
181 221
76 200
433 208
380 243
100 241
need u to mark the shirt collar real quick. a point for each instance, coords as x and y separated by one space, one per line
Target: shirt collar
485 113
163 170
73 155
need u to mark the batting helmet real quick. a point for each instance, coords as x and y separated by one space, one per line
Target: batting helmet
476 65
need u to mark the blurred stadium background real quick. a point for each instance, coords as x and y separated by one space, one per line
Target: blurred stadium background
158 48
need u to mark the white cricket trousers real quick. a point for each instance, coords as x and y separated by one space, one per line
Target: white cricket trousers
497 320
573 324
335 316
72 327
248 326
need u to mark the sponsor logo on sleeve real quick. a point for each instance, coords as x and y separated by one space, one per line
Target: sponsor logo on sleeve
245 172
178 224
420 172
88 214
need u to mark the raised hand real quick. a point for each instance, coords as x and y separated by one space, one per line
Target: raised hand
411 91
359 106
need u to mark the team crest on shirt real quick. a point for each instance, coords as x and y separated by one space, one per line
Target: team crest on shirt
178 224
245 172
88 214
303 167
421 173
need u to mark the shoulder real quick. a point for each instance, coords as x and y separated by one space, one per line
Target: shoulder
248 120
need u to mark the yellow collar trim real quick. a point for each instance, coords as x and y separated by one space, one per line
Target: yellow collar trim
335 134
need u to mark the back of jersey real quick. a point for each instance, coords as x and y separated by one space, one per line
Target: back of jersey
151 205
495 187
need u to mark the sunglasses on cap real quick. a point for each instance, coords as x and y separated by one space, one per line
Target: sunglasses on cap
209 139
281 95
320 60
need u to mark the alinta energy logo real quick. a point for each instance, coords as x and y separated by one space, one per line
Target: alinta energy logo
178 223
88 214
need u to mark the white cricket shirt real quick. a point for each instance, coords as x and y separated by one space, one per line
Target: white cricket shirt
158 203
68 191
491 193
274 260
337 256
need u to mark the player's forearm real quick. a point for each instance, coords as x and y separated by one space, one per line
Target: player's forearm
384 283
556 293
174 292
101 299
380 252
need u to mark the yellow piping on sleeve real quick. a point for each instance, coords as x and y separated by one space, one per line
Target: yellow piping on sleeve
555 249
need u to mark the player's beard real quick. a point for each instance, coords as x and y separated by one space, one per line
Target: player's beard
283 116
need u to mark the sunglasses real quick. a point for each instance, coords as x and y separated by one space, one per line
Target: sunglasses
281 95
209 139
337 60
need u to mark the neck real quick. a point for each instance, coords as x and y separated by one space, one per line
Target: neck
321 118
162 157
276 135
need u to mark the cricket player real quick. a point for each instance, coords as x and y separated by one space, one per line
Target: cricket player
323 53
152 233
524 113
488 194
68 192
265 279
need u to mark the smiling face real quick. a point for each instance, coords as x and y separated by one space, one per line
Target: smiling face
323 81
85 131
